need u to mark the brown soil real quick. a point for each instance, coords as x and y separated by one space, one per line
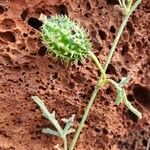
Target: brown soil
26 70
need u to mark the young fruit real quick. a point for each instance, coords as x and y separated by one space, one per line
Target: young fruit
65 38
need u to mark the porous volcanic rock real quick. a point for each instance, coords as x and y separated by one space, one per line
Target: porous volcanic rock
26 70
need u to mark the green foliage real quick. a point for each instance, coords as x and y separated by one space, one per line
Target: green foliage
65 38
69 41
126 5
122 97
60 132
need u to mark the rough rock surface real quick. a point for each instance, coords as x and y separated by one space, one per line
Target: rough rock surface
26 70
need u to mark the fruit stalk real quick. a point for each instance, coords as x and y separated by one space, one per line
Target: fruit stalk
100 81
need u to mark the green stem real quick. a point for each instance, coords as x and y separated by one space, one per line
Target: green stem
97 87
119 33
65 143
100 81
98 65
124 4
126 102
120 3
114 84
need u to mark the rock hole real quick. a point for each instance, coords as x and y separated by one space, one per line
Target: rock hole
8 36
83 95
125 48
111 69
124 72
97 130
130 28
42 51
1 9
62 9
112 29
42 88
139 44
79 6
109 91
71 85
55 75
50 66
17 121
24 14
101 7
105 131
8 49
130 97
60 92
140 57
32 32
142 95
102 34
126 61
144 141
88 6
106 103
140 72
73 32
112 2
142 132
35 23
77 78
27 85
12 114
79 63
25 35
53 87
7 24
87 15
37 73
100 48
20 80
23 48
110 46
88 68
132 116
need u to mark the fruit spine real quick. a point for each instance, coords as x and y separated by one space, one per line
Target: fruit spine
65 38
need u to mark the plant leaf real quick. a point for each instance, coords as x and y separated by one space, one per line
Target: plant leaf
51 132
131 108
71 130
69 124
51 117
123 81
120 97
47 114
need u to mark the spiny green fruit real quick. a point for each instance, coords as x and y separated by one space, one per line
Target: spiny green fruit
65 38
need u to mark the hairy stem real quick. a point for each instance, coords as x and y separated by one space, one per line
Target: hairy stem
98 65
65 143
126 102
119 34
97 87
100 81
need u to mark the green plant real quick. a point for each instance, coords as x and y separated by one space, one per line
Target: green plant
58 131
126 5
65 39
70 42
